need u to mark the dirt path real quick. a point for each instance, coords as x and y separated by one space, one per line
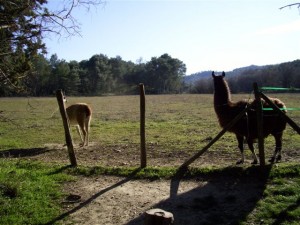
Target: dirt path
110 200
129 156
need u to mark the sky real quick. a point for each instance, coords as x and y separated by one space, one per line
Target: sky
218 35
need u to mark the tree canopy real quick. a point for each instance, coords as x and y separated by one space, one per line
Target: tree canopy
23 24
23 67
101 75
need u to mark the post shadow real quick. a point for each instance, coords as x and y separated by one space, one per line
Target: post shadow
93 197
21 152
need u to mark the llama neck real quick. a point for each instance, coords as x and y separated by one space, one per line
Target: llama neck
222 94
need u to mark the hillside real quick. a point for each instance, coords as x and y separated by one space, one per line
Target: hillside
205 74
284 75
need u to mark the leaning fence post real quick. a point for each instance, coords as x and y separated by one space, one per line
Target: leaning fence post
282 114
260 135
142 126
61 104
219 135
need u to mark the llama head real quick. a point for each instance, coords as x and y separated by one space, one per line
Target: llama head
214 76
220 84
65 98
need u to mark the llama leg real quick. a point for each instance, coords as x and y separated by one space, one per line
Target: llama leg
79 132
87 127
83 134
87 137
250 144
278 145
240 140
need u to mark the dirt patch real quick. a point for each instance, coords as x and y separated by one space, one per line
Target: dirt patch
128 155
113 200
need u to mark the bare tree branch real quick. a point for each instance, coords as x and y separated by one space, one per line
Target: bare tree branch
24 24
62 21
290 5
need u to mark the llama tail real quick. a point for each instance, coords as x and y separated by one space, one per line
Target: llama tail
88 111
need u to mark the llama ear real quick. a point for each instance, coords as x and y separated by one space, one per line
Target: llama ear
223 74
213 74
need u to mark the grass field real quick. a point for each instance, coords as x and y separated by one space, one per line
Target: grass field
177 126
174 123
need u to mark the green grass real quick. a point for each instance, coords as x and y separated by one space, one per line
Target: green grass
281 201
173 122
30 192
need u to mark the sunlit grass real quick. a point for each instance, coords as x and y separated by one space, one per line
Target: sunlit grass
281 198
29 192
173 122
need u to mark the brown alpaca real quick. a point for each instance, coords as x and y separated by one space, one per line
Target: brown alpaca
80 115
227 110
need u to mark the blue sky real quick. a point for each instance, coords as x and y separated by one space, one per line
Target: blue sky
204 34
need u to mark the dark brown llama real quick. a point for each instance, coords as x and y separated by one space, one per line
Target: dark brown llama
246 128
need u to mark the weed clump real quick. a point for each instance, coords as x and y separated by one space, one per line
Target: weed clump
8 190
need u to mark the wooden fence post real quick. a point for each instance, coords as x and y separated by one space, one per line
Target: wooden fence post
142 126
259 115
61 104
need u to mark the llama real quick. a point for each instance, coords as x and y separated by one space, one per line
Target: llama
80 115
246 127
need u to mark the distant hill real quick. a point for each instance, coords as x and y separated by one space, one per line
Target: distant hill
204 74
196 76
286 75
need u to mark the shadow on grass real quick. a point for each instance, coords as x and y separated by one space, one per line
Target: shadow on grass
226 197
19 153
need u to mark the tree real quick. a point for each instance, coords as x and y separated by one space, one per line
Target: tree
73 78
202 86
97 73
61 74
164 74
23 25
38 79
118 70
134 75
